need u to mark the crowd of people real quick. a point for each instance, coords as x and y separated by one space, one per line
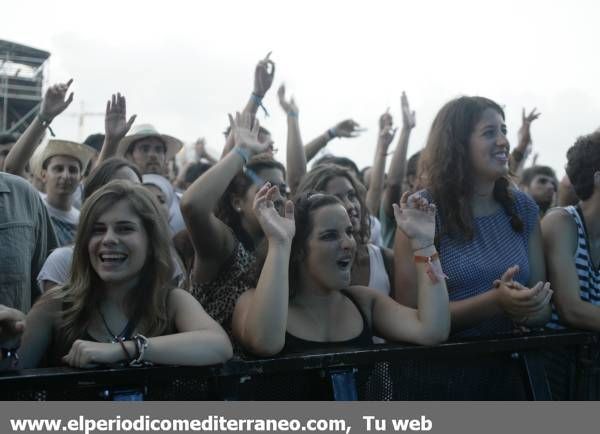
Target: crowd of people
111 254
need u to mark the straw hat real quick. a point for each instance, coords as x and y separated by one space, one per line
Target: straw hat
79 151
138 132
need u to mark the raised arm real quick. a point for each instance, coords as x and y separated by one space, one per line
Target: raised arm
213 240
518 155
295 156
116 126
54 103
264 73
429 324
260 317
384 139
346 128
397 172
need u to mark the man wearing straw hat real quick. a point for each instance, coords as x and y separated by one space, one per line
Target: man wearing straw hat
150 151
62 166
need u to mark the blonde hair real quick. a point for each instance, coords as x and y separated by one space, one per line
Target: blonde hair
146 304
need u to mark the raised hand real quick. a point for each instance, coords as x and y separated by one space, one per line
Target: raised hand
116 125
12 326
415 216
409 119
525 129
263 76
386 130
347 128
290 106
245 133
277 227
87 354
55 101
386 120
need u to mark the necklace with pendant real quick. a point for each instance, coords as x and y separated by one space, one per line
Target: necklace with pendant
114 337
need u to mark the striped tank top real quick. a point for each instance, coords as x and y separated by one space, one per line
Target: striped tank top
589 277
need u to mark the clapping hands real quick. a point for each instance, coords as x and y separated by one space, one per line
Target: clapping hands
518 301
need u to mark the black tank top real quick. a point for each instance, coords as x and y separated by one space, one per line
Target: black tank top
295 344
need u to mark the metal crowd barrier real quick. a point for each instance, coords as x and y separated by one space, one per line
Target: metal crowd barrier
538 366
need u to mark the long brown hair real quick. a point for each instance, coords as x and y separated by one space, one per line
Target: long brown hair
317 179
446 168
146 304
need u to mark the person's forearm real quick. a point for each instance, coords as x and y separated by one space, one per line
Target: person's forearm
397 172
433 308
193 348
201 198
474 310
377 178
295 157
21 152
266 320
109 149
313 147
580 315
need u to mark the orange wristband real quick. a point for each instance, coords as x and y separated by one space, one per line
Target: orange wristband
427 259
434 271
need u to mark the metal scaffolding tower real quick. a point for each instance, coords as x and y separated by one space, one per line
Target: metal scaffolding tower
21 82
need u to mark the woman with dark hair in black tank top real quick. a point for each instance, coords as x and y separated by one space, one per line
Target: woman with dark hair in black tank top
303 299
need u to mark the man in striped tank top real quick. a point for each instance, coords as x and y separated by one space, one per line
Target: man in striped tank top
572 242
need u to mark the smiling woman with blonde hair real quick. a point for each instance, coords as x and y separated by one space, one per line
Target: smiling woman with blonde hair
118 305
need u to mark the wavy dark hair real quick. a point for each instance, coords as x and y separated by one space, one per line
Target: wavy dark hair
317 179
237 188
446 169
305 204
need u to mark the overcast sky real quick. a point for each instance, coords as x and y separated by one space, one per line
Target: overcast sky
184 65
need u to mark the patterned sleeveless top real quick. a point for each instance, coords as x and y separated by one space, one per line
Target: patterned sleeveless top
589 276
218 297
473 265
